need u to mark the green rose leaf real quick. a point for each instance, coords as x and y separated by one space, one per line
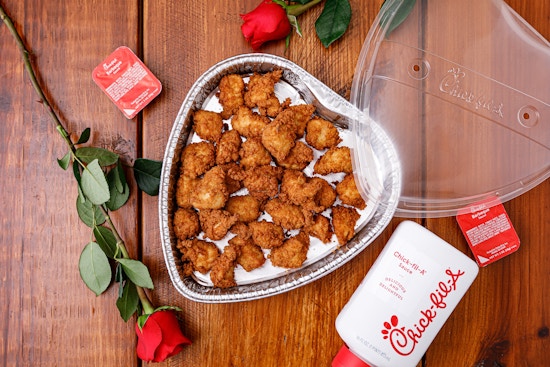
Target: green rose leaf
333 21
119 276
65 161
94 184
120 177
401 13
137 272
94 268
294 22
78 177
167 308
127 304
142 320
106 240
104 157
89 213
76 172
147 174
84 137
116 198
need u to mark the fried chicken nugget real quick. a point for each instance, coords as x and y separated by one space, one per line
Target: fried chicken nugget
216 223
261 93
241 229
278 139
235 172
263 182
251 256
208 125
223 269
322 134
211 190
197 158
299 157
184 186
231 94
343 221
287 215
201 254
348 193
337 159
320 228
232 184
253 154
296 117
245 207
248 123
186 223
227 149
187 264
292 253
298 189
266 234
325 197
186 267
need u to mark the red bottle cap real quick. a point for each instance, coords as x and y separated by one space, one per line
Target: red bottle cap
345 358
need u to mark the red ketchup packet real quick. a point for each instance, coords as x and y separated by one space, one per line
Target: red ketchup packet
126 81
489 231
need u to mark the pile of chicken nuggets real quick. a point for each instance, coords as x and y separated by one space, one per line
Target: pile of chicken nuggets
244 180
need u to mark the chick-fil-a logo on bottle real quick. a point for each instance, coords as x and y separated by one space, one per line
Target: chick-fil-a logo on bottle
404 339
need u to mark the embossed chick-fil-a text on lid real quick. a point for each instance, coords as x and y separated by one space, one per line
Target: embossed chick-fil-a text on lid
404 300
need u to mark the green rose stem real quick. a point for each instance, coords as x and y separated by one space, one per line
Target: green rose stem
28 66
146 304
292 12
298 8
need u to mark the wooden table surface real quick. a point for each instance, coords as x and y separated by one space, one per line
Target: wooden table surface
47 315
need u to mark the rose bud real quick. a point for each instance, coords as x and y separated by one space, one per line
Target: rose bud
268 22
160 337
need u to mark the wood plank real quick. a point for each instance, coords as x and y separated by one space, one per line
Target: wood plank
502 320
49 317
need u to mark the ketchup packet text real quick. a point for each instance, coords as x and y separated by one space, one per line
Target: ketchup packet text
126 81
488 231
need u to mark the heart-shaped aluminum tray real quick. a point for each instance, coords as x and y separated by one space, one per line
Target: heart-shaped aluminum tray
382 180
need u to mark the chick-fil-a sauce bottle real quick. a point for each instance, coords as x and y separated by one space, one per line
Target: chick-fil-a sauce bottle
404 300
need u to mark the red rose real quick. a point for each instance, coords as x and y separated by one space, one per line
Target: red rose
160 337
268 22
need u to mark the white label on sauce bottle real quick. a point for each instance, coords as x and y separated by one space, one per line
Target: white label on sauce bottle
404 300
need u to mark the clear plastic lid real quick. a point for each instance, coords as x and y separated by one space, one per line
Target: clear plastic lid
462 89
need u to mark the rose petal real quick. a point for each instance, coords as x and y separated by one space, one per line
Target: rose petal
149 338
173 339
268 22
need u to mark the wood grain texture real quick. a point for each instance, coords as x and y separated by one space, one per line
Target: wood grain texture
48 317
